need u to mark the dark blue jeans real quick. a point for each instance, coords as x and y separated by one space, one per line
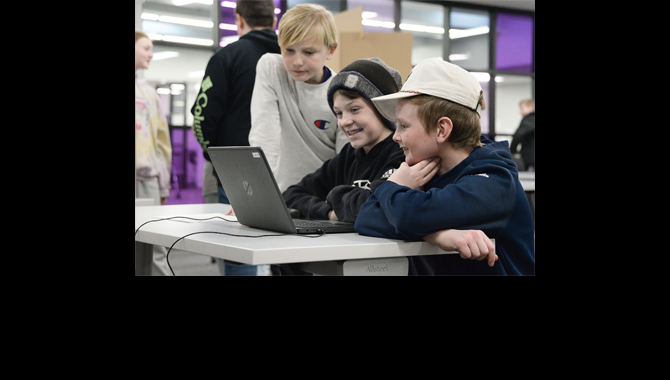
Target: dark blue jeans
227 268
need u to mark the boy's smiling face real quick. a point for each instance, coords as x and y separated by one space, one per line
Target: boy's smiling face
359 122
304 61
411 135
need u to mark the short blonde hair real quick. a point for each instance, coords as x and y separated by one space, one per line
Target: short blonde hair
528 103
304 22
139 35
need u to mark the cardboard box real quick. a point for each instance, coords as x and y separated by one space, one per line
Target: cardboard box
395 49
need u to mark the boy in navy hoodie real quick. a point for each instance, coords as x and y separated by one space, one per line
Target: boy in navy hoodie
452 178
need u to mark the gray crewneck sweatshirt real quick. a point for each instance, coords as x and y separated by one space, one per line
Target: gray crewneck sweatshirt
292 122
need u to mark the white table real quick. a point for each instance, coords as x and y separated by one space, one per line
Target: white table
527 180
527 184
336 254
526 175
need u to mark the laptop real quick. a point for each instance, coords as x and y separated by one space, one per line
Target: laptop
253 193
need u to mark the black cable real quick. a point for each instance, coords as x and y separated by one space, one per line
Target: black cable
320 233
182 217
167 255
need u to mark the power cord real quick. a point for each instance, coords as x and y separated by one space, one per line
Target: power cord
167 255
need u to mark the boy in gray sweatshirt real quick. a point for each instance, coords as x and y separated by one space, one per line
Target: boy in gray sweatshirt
290 118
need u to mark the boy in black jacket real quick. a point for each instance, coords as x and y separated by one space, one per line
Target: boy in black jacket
342 184
221 112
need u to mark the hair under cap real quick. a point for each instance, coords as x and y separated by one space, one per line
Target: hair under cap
369 76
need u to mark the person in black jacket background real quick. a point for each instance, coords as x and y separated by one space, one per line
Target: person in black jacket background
221 112
525 134
337 190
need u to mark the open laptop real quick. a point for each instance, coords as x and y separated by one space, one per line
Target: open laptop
254 195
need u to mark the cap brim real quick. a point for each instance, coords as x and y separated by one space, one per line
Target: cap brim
386 104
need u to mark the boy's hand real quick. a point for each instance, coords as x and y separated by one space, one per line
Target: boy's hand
332 216
417 175
471 244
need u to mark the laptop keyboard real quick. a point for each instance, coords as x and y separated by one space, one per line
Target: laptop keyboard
307 223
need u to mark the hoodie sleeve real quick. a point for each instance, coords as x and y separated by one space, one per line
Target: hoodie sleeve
482 198
309 195
265 118
347 200
212 103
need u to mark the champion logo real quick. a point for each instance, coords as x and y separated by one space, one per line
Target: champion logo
321 124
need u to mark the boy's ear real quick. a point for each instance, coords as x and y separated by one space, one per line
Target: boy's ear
239 21
331 51
444 128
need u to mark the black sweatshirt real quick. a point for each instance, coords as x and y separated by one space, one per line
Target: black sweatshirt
221 110
344 182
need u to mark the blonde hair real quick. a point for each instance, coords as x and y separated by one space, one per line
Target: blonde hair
467 128
528 103
139 35
304 22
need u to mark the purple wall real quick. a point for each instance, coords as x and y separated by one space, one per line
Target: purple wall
514 47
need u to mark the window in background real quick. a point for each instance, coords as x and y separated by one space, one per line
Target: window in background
484 79
510 90
426 23
377 15
469 38
188 23
514 43
484 120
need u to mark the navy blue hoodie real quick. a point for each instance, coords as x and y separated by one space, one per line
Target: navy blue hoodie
482 192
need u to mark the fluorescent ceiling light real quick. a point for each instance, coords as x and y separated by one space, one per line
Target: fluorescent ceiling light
459 57
482 77
460 33
186 21
164 55
180 3
163 91
149 16
422 28
413 28
182 40
434 29
227 26
453 33
228 4
367 14
381 24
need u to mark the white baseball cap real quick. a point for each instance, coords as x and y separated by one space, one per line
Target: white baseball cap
435 77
